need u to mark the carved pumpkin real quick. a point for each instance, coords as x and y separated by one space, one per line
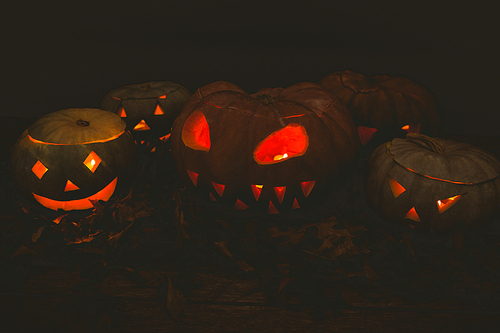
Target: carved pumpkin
434 183
70 157
148 109
273 151
384 107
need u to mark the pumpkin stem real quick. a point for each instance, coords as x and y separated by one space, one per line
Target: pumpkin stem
265 98
82 123
429 142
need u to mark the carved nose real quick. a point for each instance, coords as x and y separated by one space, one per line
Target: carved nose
70 186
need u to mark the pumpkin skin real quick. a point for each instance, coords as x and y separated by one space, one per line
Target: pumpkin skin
384 107
228 161
411 181
52 160
148 109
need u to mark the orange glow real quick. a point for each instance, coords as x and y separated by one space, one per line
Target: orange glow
211 196
92 161
411 128
121 112
196 133
115 98
153 150
212 104
412 215
295 116
365 134
256 189
78 204
445 204
165 137
158 110
396 188
193 176
142 126
290 141
162 96
240 205
430 177
307 187
39 169
70 186
272 209
72 144
295 204
280 192
219 188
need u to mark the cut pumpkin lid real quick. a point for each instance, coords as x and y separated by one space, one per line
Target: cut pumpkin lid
458 162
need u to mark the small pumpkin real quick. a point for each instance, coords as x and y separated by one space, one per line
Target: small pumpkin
67 158
384 107
433 183
148 109
272 151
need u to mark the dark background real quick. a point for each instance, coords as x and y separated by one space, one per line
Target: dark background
61 55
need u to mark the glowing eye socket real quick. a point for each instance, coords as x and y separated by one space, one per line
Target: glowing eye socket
365 134
445 204
196 133
290 141
39 169
412 128
396 188
121 112
92 161
142 126
412 215
158 110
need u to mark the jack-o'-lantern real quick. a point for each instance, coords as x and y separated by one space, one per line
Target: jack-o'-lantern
273 151
148 109
384 107
67 158
433 183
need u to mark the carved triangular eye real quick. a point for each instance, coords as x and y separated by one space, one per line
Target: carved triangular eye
92 161
445 204
142 126
396 188
39 169
365 134
158 110
196 132
121 112
412 215
290 141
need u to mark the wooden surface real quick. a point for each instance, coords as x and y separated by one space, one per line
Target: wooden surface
52 298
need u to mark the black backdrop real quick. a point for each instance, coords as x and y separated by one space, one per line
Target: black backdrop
58 55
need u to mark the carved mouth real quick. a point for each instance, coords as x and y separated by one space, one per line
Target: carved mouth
78 204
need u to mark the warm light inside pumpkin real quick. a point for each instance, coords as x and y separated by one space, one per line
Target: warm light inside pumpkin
295 204
121 112
142 126
307 187
280 192
196 133
211 196
92 161
78 204
193 176
240 205
256 190
158 110
396 188
39 169
70 186
219 188
290 141
445 204
162 96
412 215
365 134
272 209
411 128
165 137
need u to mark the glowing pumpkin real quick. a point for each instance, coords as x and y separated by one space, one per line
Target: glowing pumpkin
70 157
384 107
272 151
434 183
148 109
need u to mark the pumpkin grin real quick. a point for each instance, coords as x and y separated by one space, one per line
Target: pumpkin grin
84 203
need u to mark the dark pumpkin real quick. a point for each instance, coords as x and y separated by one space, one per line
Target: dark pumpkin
273 151
384 107
433 183
69 157
148 109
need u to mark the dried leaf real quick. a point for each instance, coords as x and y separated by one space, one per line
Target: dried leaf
223 248
294 237
59 218
409 243
369 272
126 213
84 239
115 236
176 303
244 266
37 234
23 250
284 282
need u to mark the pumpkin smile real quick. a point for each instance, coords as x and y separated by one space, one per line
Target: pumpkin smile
84 203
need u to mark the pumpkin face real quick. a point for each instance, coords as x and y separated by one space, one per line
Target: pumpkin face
384 107
148 109
272 151
70 157
434 183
